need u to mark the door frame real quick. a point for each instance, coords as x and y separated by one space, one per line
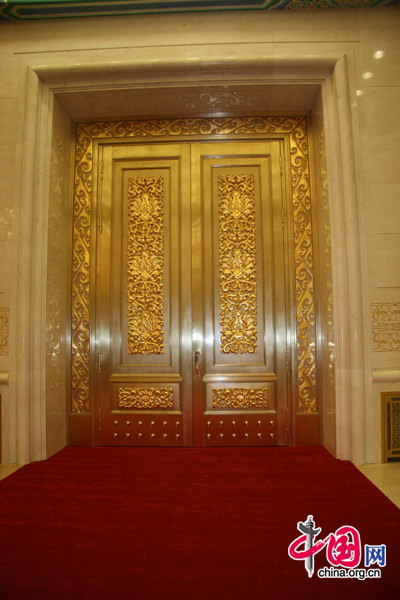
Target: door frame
303 403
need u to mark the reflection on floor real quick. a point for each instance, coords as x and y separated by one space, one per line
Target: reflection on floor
386 477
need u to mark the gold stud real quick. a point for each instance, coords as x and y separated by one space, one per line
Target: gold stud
271 434
152 423
259 435
234 435
165 435
259 423
128 422
177 423
128 435
140 423
246 435
221 435
140 435
233 423
208 423
115 434
177 435
271 422
153 435
221 423
246 423
208 435
115 422
164 424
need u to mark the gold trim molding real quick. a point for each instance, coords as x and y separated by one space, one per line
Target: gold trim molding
193 128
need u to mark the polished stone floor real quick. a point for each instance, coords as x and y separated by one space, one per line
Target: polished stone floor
386 477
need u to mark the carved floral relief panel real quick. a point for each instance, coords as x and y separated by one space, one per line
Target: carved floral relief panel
386 326
240 398
145 260
237 264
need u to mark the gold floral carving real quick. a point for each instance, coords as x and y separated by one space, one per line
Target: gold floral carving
237 264
145 398
4 327
240 398
295 129
304 270
145 259
386 326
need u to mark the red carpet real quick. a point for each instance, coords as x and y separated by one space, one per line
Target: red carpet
186 524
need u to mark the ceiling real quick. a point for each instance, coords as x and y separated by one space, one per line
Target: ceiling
50 9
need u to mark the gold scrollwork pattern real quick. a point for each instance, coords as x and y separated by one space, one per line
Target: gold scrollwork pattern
386 326
145 259
240 397
292 127
4 321
304 270
237 264
81 241
145 398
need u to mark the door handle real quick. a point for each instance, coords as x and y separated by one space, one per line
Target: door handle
197 363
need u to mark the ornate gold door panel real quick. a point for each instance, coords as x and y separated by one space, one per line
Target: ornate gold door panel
145 310
239 295
144 296
193 313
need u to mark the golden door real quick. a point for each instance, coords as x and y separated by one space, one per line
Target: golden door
191 295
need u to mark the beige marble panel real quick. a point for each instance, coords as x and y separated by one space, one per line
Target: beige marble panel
8 121
301 26
380 114
381 24
379 63
383 207
380 163
50 35
384 251
9 71
160 30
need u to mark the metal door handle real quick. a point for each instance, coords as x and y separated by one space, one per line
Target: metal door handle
197 363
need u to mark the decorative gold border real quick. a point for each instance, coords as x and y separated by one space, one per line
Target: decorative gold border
295 128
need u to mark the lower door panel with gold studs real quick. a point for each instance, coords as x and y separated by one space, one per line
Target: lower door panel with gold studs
191 295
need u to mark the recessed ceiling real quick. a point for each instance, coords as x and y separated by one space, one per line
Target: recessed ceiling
210 100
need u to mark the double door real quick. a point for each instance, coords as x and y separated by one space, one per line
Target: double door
190 295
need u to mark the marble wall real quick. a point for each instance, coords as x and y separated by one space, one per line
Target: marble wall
47 60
